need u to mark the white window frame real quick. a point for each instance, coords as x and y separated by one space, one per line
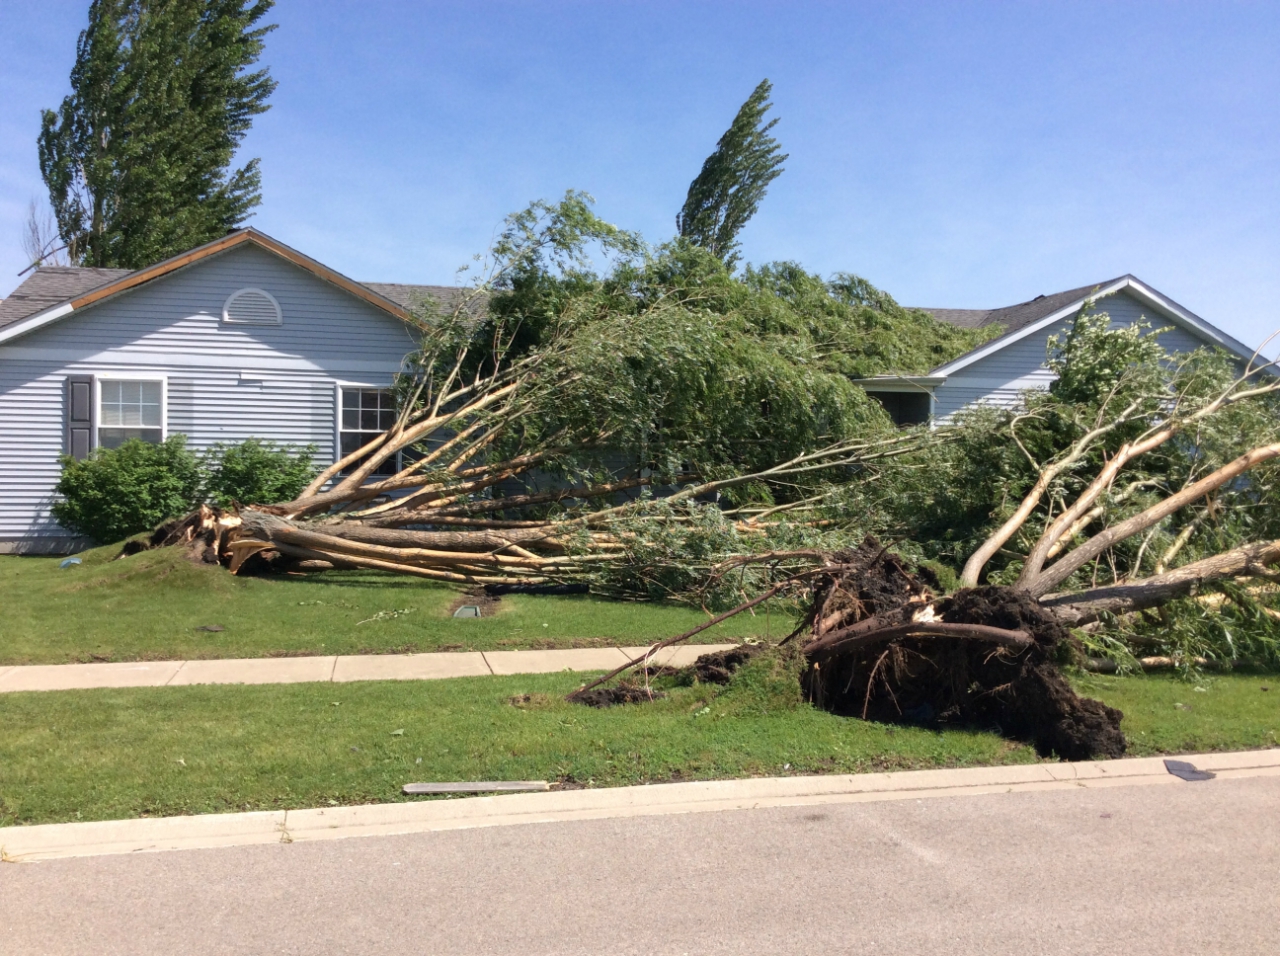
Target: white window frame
100 377
337 419
226 305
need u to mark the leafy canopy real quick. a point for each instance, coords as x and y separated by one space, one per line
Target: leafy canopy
733 180
666 358
137 159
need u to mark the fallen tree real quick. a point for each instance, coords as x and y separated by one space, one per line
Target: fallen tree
673 430
881 644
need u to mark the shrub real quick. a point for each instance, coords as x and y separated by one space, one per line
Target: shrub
256 472
118 492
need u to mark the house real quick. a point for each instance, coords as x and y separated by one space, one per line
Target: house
246 337
1014 361
242 337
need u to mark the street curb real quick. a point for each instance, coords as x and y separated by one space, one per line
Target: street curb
60 840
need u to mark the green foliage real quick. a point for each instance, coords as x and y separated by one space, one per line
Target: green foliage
733 180
672 361
947 500
137 159
1094 362
118 492
256 472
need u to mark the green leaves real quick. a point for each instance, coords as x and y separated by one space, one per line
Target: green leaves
256 472
123 491
733 180
119 492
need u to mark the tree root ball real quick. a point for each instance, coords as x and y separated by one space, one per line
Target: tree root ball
1022 694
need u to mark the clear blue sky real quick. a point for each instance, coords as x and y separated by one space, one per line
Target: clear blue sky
956 154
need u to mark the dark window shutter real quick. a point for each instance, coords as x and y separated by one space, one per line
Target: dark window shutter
79 406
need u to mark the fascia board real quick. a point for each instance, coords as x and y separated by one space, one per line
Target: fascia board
900 383
1004 341
1188 320
33 322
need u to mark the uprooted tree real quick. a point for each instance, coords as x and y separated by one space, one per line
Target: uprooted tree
624 430
1134 459
669 429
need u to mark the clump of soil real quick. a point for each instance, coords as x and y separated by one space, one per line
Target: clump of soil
719 667
619 694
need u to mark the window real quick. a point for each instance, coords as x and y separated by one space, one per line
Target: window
130 410
905 408
251 307
366 413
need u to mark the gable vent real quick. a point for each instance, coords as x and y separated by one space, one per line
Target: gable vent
252 307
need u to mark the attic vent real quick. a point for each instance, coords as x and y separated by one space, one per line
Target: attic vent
252 307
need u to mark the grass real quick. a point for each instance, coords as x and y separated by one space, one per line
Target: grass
1165 714
149 606
108 754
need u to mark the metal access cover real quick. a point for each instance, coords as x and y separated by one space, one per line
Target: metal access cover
467 610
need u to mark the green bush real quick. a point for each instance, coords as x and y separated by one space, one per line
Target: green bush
118 492
256 472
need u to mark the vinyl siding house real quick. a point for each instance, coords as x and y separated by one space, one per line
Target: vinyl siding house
245 337
241 338
998 372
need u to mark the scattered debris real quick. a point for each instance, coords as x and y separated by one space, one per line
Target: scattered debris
485 786
387 615
68 563
1187 771
467 610
399 732
211 628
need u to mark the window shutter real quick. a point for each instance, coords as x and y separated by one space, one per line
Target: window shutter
79 410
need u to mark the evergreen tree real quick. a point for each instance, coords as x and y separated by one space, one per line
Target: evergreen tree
137 159
733 180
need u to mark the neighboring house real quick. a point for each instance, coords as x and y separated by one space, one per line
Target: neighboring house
245 337
999 371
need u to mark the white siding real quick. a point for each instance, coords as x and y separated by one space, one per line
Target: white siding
1001 377
172 328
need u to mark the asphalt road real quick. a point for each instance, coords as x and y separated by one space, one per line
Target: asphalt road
1192 868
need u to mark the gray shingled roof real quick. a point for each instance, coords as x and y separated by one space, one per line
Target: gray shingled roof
49 285
413 296
1015 317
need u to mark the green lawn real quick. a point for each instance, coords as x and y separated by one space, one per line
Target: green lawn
149 606
105 754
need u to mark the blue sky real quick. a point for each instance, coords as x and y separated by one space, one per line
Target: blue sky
956 154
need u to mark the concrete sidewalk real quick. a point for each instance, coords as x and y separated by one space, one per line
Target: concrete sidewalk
297 670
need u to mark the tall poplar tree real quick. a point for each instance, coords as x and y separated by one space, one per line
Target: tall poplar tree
138 158
733 180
